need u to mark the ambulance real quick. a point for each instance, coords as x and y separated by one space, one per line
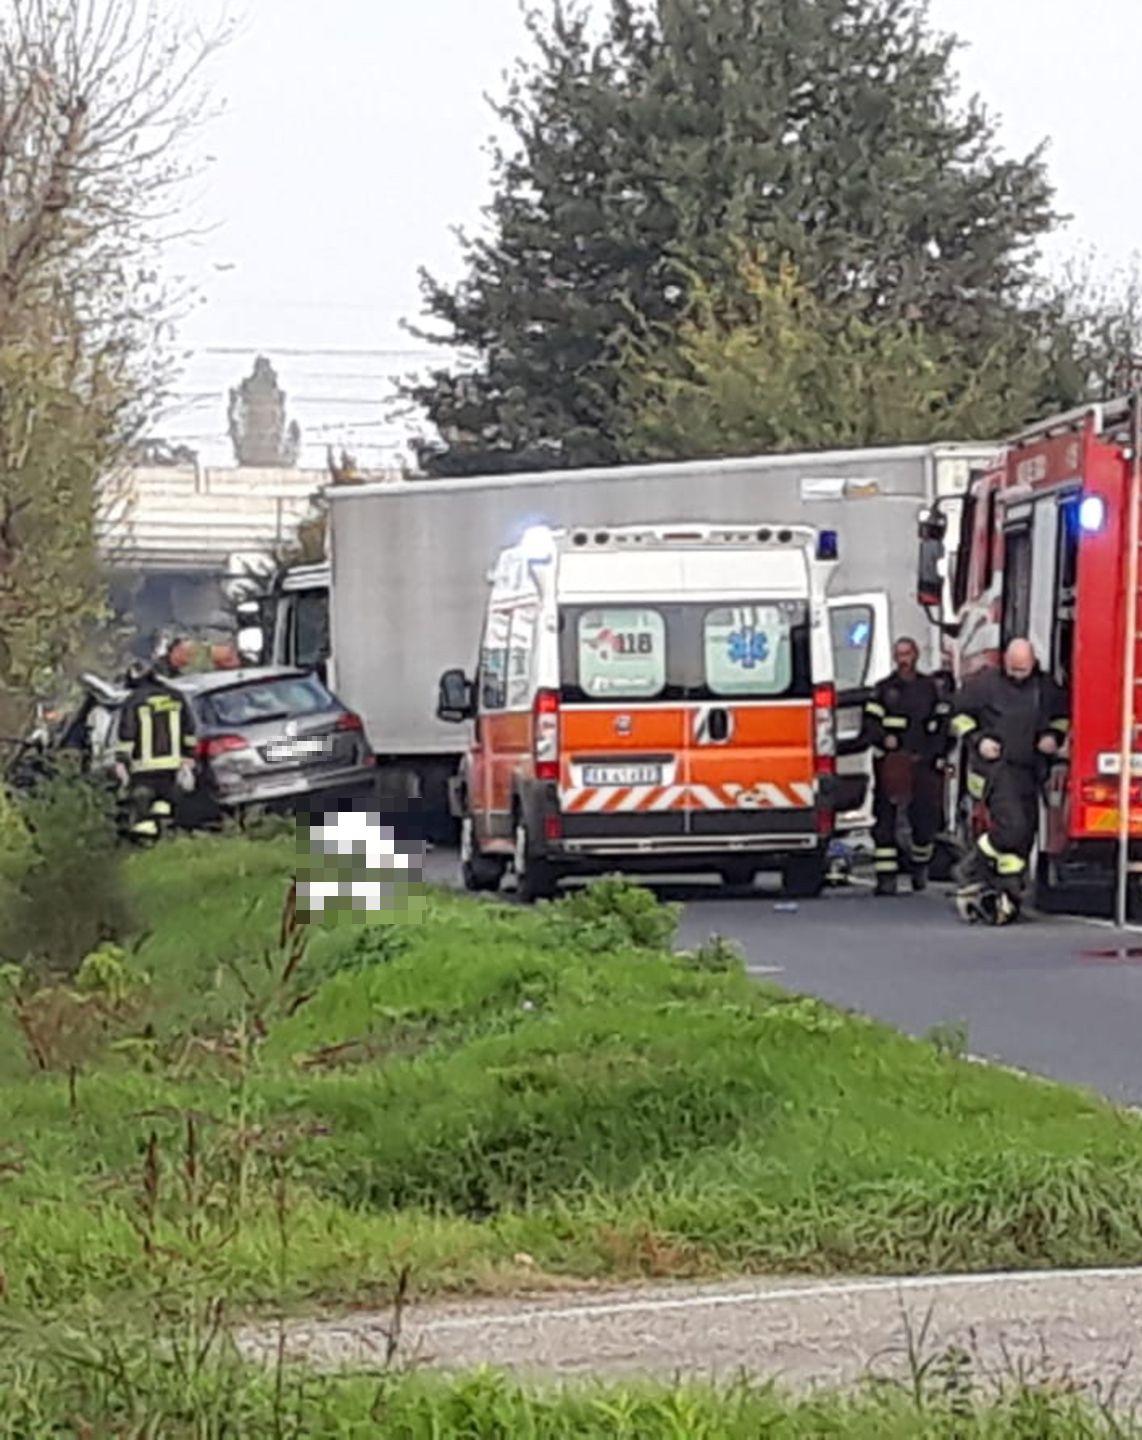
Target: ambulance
654 698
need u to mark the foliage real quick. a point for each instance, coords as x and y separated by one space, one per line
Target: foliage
825 131
94 108
257 419
760 364
63 893
613 914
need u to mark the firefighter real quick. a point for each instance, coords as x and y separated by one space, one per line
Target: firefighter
1015 723
904 727
155 751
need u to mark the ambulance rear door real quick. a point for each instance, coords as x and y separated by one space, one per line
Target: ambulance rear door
862 654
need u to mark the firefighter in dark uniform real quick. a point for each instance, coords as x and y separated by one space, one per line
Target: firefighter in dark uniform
1015 723
156 746
905 726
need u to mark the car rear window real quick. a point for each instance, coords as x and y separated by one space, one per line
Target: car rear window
259 701
755 650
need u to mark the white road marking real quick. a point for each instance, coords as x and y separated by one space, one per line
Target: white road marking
716 1299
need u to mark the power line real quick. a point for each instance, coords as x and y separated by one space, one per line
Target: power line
395 351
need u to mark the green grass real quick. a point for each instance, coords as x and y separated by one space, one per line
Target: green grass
138 1395
488 1095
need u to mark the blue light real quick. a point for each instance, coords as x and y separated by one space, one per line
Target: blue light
827 548
1092 513
859 634
537 544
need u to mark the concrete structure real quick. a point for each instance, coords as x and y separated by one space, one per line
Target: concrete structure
173 535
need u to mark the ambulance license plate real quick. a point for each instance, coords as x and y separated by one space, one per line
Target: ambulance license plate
622 774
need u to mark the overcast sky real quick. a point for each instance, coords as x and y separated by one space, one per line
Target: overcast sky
353 138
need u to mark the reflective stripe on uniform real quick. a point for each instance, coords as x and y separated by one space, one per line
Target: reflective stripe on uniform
162 807
963 725
873 708
977 785
896 722
885 860
145 827
922 854
1062 725
1006 862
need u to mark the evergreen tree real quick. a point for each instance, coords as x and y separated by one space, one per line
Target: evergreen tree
826 132
761 365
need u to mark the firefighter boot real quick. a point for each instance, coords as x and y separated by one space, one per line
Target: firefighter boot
886 883
919 877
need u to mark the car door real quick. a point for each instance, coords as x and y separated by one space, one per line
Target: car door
862 655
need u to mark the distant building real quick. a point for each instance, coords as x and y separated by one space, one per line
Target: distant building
174 534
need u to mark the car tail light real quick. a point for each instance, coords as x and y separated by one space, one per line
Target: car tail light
545 717
349 721
220 745
1106 792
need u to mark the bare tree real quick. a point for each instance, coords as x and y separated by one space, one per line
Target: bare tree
98 99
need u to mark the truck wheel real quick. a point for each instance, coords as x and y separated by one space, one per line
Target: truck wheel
740 875
536 878
804 877
478 872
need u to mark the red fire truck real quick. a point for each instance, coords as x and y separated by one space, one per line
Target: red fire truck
1048 548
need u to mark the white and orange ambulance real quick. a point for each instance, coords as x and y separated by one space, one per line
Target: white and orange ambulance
654 698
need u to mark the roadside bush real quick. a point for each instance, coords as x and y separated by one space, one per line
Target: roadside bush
613 914
62 886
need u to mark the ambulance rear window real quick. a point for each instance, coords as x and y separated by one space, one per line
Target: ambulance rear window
748 650
666 651
622 653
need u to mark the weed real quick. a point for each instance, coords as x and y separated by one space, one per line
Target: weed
612 914
717 954
949 1038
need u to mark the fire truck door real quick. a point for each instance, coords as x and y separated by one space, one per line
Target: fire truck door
862 655
1044 589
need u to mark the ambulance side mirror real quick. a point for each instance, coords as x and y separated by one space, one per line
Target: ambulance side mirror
456 698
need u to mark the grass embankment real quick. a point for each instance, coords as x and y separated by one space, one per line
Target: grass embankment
489 1096
226 1403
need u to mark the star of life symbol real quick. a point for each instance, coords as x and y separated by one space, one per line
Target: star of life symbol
749 647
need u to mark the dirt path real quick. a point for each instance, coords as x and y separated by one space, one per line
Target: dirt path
1081 1325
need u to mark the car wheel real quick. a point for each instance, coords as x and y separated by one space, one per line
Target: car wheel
536 878
804 877
478 872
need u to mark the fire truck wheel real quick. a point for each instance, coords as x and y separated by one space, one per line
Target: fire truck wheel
478 872
1050 896
536 878
804 877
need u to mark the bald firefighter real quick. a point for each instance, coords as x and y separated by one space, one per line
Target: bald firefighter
905 725
155 751
1014 721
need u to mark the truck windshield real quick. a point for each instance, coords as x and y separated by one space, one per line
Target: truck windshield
756 649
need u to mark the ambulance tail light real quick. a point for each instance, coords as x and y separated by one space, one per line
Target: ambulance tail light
825 728
545 727
1105 792
824 753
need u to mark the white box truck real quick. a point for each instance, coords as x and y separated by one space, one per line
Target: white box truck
402 597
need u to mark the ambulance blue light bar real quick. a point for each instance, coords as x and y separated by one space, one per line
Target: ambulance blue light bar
827 545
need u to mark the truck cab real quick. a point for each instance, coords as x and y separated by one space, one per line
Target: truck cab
655 698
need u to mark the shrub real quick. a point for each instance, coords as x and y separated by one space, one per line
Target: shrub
613 914
63 893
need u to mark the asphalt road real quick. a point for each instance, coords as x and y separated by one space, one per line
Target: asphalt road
1077 1328
1059 997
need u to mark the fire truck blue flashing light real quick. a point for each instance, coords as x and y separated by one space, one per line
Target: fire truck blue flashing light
1092 513
827 547
537 544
